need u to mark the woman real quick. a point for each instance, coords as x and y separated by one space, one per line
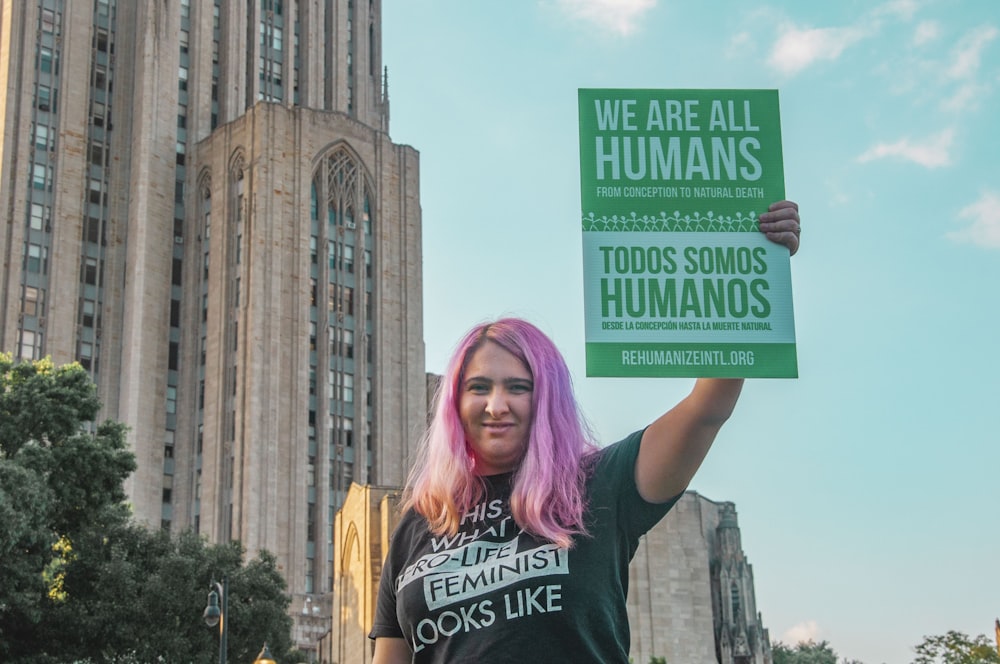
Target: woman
518 529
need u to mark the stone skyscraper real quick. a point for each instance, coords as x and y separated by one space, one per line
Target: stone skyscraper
202 205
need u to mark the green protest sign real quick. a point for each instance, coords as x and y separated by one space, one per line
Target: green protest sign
678 281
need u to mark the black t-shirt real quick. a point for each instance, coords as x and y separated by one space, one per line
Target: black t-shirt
491 593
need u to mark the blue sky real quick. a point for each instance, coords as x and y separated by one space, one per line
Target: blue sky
868 489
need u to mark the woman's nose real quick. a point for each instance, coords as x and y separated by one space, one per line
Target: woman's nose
496 404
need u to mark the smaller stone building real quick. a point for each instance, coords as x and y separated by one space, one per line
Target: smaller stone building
691 592
361 535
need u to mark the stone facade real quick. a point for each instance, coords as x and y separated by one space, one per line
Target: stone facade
364 526
691 594
202 204
682 603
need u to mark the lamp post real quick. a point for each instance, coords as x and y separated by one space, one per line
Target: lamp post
214 615
265 656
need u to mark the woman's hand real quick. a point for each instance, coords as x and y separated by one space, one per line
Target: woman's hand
781 224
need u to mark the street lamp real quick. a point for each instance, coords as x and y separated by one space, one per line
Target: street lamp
214 615
265 656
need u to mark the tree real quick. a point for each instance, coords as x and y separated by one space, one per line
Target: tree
956 648
42 403
80 581
156 585
805 652
56 483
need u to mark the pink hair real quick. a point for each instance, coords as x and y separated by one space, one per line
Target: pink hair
547 493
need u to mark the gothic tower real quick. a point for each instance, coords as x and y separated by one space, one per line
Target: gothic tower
740 636
202 205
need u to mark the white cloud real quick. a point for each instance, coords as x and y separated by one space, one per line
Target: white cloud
926 32
905 9
984 222
797 48
740 45
966 97
933 152
621 16
805 631
969 50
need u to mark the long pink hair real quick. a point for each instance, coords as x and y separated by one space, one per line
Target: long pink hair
547 497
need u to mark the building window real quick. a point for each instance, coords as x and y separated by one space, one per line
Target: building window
366 216
341 301
348 258
92 230
100 78
97 154
96 188
31 345
42 141
97 113
177 268
341 386
39 176
88 313
342 427
342 342
36 258
101 40
90 270
32 303
173 353
45 100
45 60
39 217
50 21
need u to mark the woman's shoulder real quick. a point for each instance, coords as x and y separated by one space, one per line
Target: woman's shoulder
620 454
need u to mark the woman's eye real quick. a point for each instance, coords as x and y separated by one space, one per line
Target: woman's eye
479 388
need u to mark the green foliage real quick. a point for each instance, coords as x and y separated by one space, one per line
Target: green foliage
805 652
956 648
42 403
56 482
140 595
80 581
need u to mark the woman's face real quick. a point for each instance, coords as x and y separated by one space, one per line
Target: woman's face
495 407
